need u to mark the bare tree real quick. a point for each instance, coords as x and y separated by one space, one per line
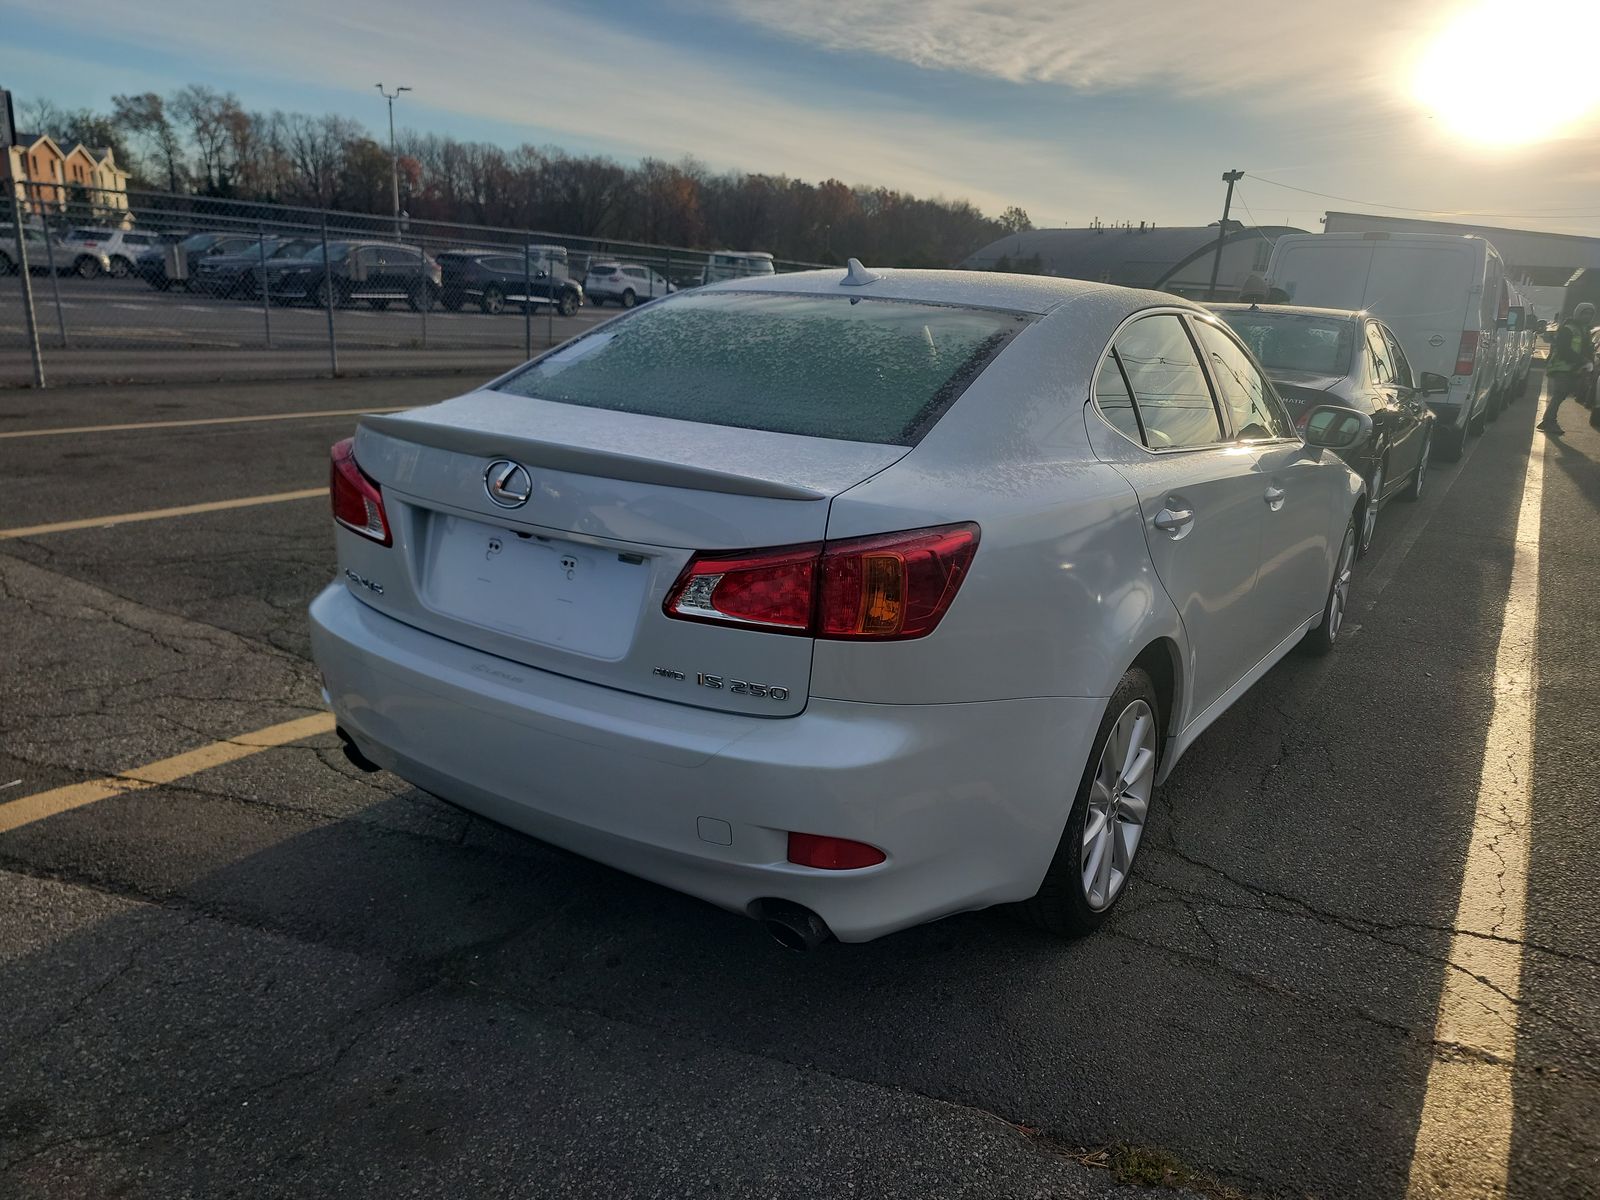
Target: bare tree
145 119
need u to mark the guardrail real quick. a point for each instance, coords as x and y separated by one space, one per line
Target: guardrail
201 285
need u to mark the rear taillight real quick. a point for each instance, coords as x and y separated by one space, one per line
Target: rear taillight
1467 356
886 587
831 853
357 501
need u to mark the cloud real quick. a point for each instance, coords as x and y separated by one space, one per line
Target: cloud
545 70
1095 46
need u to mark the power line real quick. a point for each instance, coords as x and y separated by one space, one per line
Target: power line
1436 212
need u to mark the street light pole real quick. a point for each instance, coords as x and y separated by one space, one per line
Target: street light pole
1230 178
394 160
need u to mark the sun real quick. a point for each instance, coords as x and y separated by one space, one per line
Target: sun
1474 75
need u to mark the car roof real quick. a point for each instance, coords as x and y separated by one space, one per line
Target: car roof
1293 310
1037 294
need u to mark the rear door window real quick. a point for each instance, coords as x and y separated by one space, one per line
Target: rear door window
845 367
1168 383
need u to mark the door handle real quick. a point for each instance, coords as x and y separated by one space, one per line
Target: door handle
1274 498
1175 523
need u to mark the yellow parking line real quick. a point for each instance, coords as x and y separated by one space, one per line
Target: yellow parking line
156 514
1463 1146
59 430
27 809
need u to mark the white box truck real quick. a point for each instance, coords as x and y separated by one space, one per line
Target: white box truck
1444 295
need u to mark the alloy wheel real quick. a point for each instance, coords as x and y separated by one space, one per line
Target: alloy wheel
1369 520
1339 593
1119 802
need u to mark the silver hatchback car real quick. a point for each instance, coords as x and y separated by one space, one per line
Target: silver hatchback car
844 600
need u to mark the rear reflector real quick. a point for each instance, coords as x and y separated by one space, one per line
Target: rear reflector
889 586
1467 356
357 501
831 853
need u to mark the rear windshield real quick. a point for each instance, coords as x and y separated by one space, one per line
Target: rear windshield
1291 342
820 366
604 269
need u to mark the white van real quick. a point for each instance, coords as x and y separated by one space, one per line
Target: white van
1443 294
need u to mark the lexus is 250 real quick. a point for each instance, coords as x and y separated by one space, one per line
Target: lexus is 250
845 600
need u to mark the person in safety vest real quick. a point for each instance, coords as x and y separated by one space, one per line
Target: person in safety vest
1571 361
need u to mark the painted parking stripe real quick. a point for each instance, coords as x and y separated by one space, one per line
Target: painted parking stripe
58 430
158 514
27 809
1463 1145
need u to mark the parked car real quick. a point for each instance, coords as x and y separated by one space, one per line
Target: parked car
1317 356
120 248
735 264
235 272
841 600
379 273
152 265
625 283
491 279
1439 292
40 255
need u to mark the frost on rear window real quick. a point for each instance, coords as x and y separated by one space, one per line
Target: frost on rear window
820 366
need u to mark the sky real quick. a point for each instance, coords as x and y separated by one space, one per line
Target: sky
1076 110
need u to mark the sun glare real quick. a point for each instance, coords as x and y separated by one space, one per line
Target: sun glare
1480 76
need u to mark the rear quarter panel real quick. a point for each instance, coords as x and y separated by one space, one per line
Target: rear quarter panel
1061 595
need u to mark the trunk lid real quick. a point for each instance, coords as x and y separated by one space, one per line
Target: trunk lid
573 578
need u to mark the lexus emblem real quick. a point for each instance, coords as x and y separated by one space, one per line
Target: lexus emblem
509 485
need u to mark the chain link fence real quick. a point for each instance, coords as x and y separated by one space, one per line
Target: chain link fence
161 286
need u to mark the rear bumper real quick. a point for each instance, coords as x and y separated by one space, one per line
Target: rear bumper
967 801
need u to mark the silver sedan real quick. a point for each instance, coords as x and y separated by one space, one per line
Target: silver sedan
845 600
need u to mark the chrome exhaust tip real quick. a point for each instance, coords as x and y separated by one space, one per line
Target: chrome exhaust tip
792 926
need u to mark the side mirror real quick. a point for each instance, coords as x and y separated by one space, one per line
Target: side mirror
1434 384
1334 427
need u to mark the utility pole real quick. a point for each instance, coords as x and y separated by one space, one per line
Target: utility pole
1230 178
394 161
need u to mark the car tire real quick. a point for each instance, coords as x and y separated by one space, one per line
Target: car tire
86 267
628 299
324 291
1369 519
1452 440
567 306
1476 425
1420 475
378 305
120 267
1322 638
1111 808
452 300
493 301
420 297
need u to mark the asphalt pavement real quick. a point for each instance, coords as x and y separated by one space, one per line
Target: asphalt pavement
277 976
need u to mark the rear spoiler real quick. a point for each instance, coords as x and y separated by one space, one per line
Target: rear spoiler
582 460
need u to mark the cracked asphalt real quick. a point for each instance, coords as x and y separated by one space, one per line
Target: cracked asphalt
281 977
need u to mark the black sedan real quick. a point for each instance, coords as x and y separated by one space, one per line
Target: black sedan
1320 356
235 273
492 279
